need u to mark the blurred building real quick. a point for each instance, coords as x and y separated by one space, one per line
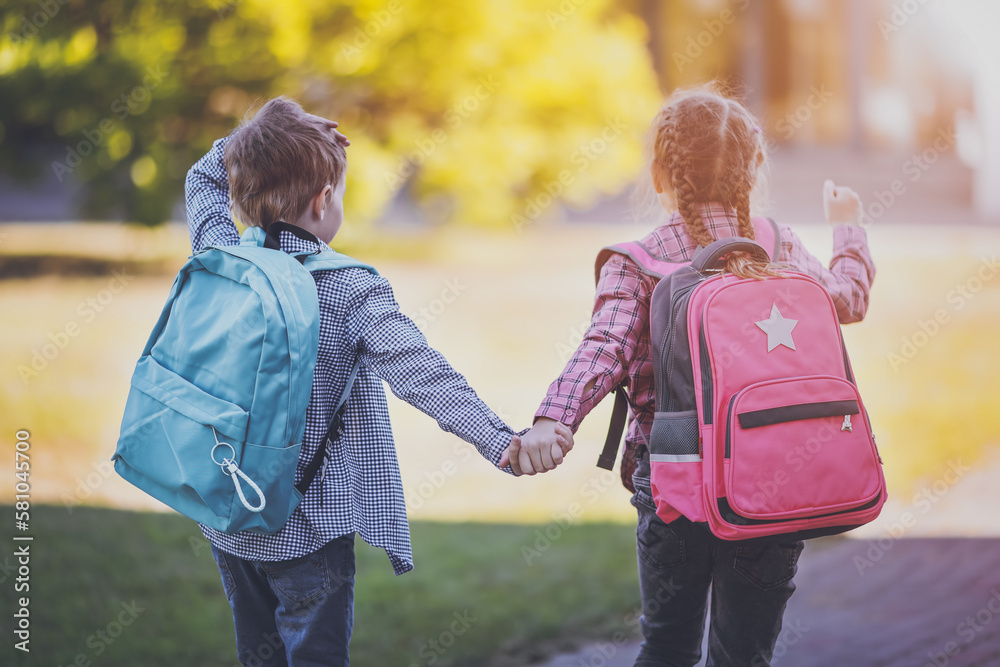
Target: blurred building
874 76
819 71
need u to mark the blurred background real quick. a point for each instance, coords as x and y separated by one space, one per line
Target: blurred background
496 146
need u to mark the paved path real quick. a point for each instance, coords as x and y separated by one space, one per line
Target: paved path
913 602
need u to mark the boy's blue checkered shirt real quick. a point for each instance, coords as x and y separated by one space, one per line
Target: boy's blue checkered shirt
359 487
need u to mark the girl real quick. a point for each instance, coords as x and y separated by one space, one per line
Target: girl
707 152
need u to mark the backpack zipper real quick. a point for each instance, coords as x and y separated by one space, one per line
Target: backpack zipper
729 425
706 378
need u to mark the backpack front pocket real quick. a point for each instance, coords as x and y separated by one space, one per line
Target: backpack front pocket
798 448
188 449
170 432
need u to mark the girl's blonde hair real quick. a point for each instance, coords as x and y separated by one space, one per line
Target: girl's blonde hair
708 147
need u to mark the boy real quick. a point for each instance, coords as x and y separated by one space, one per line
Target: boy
295 588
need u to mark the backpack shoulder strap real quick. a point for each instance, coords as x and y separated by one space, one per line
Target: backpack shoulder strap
332 261
334 431
651 266
647 263
619 417
766 230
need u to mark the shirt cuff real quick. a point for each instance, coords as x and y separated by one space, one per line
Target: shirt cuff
849 235
507 433
564 415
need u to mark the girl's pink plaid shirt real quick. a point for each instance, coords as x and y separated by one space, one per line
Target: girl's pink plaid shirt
616 347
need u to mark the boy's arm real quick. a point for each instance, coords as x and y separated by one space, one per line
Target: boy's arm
206 196
396 351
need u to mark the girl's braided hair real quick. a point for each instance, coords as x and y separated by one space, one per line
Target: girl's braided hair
709 148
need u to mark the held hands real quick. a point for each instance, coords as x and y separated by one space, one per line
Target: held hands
841 204
539 450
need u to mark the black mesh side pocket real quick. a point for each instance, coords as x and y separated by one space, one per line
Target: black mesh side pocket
674 434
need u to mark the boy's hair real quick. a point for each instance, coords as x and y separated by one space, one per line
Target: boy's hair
279 159
709 148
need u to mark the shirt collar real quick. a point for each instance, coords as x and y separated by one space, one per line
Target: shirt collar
290 243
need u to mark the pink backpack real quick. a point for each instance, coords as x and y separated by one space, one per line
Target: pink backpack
759 429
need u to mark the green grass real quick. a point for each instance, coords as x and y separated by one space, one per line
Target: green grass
86 564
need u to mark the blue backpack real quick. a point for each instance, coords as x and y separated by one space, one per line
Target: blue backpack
217 405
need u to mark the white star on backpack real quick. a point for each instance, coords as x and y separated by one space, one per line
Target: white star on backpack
778 329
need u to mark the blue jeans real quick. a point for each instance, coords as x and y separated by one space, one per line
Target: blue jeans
678 563
292 613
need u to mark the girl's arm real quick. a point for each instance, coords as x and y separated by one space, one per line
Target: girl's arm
206 195
850 274
601 362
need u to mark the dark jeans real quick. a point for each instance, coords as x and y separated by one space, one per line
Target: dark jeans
296 612
678 563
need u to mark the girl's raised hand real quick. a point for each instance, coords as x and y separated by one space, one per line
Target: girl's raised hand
841 204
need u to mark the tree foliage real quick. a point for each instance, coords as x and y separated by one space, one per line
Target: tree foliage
479 111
